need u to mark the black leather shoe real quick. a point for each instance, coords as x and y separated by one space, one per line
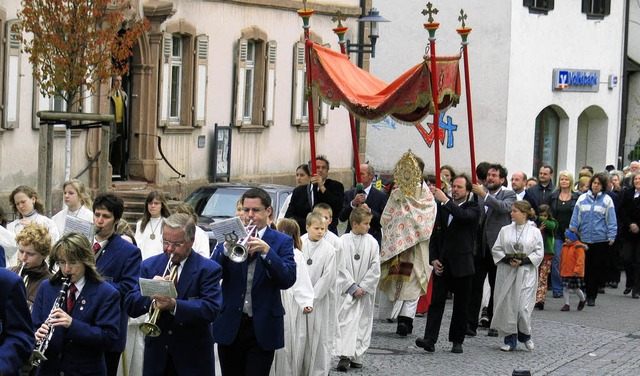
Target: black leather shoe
426 343
627 290
471 333
402 329
457 348
539 305
613 285
343 365
600 290
635 295
492 333
591 302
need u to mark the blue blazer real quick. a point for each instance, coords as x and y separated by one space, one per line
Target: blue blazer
277 271
16 330
79 349
3 258
186 337
119 264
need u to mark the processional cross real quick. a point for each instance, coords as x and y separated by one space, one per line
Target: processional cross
430 11
462 17
339 17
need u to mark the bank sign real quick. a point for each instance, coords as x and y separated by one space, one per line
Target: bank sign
576 80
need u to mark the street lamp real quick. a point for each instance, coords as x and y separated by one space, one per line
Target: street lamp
373 18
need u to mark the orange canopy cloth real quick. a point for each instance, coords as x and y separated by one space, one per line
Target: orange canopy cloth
407 99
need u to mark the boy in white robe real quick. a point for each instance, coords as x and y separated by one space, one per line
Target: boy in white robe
357 283
320 258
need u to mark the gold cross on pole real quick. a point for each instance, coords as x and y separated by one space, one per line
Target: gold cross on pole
304 3
339 17
430 11
462 17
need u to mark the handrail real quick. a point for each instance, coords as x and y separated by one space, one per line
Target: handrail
180 175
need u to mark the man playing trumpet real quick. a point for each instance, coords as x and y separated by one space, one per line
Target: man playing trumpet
180 342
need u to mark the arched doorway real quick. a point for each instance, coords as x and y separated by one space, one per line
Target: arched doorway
591 139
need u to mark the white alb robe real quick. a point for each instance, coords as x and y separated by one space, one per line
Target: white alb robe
355 316
514 294
288 360
318 339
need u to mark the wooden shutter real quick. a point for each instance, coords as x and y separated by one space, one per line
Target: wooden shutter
165 78
12 75
323 107
200 82
270 82
299 83
241 64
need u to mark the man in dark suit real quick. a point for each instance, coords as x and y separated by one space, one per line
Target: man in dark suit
451 255
117 260
497 202
366 197
518 185
251 325
542 191
185 343
320 189
16 336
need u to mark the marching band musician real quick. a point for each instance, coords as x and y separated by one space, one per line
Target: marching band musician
16 330
184 343
34 245
86 325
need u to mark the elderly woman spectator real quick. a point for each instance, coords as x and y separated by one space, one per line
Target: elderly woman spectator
594 217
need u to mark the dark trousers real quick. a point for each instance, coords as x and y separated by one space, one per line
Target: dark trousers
117 149
631 261
484 267
613 262
113 360
594 268
461 289
244 357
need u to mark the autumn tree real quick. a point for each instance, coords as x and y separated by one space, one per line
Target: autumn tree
78 43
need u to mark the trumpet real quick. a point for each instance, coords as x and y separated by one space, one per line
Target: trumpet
37 355
237 250
26 277
150 328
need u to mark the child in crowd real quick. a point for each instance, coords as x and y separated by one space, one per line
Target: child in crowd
320 257
572 268
547 225
297 301
329 236
357 283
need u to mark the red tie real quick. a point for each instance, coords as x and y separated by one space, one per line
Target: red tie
71 300
96 248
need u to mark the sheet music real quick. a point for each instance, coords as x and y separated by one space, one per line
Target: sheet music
76 224
149 287
228 226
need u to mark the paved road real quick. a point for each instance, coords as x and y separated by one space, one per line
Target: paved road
600 340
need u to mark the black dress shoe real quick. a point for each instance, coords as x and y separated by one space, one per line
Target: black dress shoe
613 285
426 343
492 333
635 295
600 290
539 305
343 365
457 348
591 302
471 333
627 290
402 329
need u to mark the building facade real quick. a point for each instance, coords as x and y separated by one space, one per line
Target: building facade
544 79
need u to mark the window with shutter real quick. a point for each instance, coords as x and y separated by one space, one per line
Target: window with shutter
298 112
167 48
596 9
11 79
255 80
270 83
539 6
200 82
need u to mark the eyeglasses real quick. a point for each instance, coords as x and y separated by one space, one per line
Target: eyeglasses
167 244
62 263
255 210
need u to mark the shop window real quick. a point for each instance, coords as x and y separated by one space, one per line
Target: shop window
545 152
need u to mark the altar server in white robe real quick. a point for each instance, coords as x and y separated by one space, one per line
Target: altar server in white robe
517 253
298 302
357 284
320 258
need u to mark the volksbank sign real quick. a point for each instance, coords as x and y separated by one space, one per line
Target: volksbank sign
576 80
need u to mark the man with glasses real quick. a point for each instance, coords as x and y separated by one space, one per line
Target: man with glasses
251 325
185 343
117 260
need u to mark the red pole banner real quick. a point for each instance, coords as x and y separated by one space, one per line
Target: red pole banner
306 16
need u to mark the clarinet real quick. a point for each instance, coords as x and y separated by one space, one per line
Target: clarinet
37 355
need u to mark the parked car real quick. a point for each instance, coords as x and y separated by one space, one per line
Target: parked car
217 201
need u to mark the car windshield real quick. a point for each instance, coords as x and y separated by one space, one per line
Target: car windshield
222 203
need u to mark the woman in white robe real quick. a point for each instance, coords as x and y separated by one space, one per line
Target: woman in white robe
518 252
298 302
77 204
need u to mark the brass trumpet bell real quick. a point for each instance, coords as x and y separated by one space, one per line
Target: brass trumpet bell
150 329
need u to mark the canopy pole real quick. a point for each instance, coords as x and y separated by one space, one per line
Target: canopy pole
340 32
306 14
464 33
431 28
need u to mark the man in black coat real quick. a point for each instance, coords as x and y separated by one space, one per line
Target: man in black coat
320 189
451 255
366 197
